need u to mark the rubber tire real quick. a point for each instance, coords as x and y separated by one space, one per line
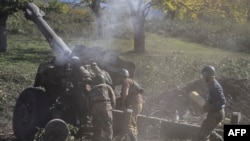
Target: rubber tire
56 130
31 111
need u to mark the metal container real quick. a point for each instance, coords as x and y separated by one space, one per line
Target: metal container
197 99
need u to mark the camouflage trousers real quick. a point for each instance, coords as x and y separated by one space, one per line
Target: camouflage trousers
130 124
102 121
209 124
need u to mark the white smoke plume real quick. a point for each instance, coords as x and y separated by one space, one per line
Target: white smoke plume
116 18
116 23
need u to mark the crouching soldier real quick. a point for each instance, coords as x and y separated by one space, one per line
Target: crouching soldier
101 102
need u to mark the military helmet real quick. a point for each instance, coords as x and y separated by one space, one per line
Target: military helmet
99 79
124 73
208 71
75 60
94 64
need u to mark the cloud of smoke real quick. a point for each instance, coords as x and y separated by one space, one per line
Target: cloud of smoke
116 18
116 23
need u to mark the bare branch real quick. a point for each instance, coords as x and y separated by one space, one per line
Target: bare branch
146 8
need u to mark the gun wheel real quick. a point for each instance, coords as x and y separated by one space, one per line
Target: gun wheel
31 111
56 130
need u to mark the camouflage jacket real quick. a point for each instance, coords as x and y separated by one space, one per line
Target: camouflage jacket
102 94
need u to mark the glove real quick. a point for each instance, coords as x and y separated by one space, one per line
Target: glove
206 108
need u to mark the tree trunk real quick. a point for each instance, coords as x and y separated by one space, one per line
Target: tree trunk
248 15
139 35
96 5
139 40
99 26
3 32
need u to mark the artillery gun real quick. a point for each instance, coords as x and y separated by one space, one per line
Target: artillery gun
58 96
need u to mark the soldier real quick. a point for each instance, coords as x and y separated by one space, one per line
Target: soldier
101 102
80 78
98 70
131 102
214 106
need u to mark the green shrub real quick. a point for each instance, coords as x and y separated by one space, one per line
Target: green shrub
223 33
233 68
75 22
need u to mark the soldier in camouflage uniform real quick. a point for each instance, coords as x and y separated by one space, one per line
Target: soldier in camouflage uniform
81 79
101 102
214 106
131 98
98 70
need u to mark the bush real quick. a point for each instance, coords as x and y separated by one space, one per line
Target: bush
224 34
75 22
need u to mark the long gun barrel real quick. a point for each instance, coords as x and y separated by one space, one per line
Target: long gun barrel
33 13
